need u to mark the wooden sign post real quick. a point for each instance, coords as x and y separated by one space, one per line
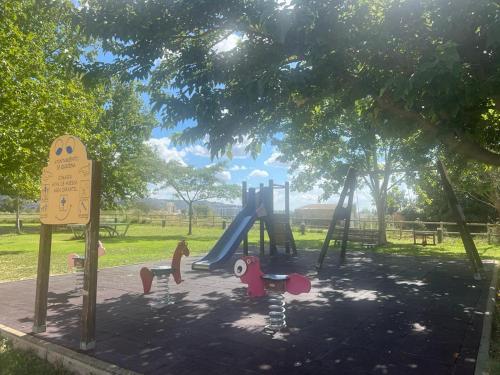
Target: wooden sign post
70 194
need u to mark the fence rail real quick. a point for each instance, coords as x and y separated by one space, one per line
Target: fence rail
400 227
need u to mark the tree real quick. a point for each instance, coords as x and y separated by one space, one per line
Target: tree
193 185
476 186
428 68
119 141
396 201
480 183
42 95
322 151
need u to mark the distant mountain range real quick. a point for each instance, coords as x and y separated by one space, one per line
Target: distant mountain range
163 204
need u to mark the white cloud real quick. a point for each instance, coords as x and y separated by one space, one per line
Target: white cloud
285 4
238 168
238 149
166 151
273 160
224 176
198 150
258 173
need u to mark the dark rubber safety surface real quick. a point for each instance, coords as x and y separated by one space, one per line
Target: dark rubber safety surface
375 314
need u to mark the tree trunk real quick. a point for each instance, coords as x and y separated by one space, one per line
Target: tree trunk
18 222
381 205
497 206
190 215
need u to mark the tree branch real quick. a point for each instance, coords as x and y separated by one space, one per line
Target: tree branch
480 200
397 182
462 144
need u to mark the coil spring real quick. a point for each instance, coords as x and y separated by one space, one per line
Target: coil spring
162 295
79 279
277 312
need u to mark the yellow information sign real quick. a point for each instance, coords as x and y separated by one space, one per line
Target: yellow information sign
66 183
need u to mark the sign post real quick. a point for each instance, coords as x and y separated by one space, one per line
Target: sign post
70 194
87 340
42 280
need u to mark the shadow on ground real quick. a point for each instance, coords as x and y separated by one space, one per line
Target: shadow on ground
375 314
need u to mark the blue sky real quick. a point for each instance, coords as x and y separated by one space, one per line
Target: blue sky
242 167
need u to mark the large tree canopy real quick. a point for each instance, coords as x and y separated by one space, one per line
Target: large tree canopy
118 140
321 152
43 96
428 68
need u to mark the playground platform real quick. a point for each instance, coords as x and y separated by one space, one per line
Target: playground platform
377 314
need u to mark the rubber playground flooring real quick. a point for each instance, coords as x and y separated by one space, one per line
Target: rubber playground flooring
376 314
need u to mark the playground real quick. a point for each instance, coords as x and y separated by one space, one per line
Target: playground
377 313
352 307
249 187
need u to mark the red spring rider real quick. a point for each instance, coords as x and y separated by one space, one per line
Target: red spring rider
260 284
162 274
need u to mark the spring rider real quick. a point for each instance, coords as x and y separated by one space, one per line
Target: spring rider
77 262
162 273
259 284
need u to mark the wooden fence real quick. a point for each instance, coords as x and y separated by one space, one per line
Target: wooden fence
394 228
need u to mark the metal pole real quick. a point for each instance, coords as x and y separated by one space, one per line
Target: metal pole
270 219
261 223
243 204
287 214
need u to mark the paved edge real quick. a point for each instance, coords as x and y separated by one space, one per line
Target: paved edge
71 360
483 354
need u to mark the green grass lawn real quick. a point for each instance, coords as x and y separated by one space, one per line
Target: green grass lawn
18 253
18 362
451 247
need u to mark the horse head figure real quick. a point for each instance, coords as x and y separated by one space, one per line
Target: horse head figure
180 250
147 275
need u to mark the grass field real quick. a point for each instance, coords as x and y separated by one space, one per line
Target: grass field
18 257
18 253
18 362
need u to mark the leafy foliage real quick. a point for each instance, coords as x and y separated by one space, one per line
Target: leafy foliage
119 141
193 185
429 69
43 96
476 187
322 151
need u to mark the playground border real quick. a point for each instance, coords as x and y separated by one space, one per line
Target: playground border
483 354
71 360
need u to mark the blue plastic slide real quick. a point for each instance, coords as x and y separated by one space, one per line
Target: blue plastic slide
229 242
